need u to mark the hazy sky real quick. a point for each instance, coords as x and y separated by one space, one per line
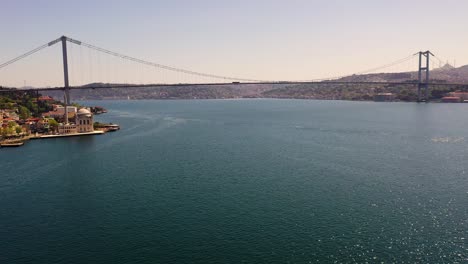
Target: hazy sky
273 40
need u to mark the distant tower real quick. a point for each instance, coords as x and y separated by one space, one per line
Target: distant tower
423 83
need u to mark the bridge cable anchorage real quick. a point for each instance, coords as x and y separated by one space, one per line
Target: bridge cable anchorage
162 66
29 53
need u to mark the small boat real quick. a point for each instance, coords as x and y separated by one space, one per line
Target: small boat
11 145
107 127
112 127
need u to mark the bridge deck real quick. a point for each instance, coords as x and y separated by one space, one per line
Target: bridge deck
123 86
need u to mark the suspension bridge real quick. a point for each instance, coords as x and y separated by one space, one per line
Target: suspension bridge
178 76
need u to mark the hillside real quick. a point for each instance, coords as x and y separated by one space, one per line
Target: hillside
173 92
446 74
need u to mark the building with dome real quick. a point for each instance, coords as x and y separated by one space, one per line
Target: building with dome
84 121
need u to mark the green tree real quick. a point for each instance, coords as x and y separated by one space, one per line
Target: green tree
53 124
4 132
10 130
18 130
24 112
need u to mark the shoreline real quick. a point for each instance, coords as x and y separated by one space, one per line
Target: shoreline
259 98
22 141
97 132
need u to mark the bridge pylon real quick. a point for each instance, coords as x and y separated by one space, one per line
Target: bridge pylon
423 82
65 77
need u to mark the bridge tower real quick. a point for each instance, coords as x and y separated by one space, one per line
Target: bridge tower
65 76
423 82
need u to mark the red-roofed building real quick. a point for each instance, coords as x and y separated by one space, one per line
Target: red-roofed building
8 120
45 98
462 95
33 119
451 99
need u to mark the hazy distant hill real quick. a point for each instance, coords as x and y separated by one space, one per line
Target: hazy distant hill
450 74
172 92
444 74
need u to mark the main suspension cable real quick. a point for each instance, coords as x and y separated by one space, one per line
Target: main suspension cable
170 68
3 65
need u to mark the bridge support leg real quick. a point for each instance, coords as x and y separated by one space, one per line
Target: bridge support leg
65 77
423 83
38 113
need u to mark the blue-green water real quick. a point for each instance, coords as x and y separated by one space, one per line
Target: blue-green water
244 181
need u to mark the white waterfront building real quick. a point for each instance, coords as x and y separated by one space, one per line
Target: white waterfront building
84 121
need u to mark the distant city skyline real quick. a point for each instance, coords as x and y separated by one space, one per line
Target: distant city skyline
267 40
